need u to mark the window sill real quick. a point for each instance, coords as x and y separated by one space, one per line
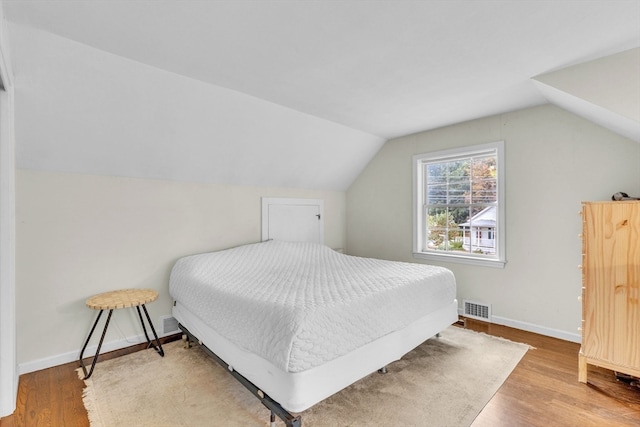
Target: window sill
461 259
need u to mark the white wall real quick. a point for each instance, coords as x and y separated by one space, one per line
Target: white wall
79 235
554 160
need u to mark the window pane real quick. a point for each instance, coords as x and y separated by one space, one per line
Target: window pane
484 180
442 231
459 190
481 226
437 194
437 227
436 173
448 182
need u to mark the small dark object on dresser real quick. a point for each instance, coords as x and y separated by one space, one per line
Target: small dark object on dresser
623 196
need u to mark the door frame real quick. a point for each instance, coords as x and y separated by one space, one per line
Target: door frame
8 364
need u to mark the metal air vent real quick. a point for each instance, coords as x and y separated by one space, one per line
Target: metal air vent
477 310
168 325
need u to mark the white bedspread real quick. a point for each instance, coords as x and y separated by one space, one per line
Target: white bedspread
299 305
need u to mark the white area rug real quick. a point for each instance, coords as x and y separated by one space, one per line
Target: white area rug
445 382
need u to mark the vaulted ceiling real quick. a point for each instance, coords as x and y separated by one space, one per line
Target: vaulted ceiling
382 68
387 68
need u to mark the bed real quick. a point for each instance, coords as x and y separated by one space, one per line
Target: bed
299 321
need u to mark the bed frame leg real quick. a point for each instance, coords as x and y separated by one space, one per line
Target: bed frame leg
438 335
187 341
273 419
383 370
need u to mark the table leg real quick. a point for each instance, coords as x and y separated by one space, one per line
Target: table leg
95 358
157 347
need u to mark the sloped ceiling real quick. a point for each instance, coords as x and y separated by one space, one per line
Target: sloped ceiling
605 91
373 70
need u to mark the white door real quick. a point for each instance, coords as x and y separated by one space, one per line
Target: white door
293 220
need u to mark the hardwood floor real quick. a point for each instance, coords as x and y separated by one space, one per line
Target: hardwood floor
543 390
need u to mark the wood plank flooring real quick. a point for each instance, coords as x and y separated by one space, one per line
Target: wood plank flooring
542 391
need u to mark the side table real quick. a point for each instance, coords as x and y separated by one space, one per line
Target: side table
123 298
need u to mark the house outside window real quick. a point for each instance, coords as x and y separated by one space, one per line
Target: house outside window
459 205
478 233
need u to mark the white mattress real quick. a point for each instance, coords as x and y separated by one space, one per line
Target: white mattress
301 305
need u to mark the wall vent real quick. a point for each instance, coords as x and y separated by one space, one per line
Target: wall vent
477 310
168 325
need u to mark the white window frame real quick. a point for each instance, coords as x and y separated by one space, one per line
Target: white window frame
419 233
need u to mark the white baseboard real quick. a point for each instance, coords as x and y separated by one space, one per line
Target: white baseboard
531 327
72 356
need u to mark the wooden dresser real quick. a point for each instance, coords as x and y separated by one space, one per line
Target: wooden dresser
610 287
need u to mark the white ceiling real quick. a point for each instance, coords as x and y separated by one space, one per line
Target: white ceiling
387 68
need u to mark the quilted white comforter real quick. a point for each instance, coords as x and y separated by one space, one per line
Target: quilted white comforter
299 305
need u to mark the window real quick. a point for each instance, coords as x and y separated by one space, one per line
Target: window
459 205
